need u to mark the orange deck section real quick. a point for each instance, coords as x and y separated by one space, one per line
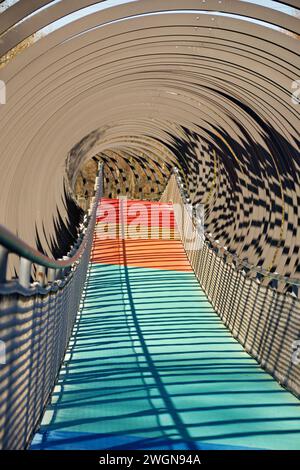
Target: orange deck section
128 240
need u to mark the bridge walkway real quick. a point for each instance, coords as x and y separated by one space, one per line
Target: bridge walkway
150 364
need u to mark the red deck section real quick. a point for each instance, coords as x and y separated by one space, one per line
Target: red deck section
159 249
136 211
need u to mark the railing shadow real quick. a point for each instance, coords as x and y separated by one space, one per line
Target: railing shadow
152 366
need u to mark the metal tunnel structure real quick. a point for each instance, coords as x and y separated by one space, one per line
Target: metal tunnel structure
210 87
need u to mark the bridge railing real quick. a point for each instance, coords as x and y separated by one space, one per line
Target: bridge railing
260 308
36 321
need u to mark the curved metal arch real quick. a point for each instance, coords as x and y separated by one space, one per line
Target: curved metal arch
232 80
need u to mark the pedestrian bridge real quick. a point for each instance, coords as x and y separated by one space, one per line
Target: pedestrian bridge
125 323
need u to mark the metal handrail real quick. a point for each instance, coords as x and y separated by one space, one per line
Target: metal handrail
10 243
240 264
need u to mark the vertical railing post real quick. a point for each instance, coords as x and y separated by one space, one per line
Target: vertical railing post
25 272
67 269
51 275
3 264
41 274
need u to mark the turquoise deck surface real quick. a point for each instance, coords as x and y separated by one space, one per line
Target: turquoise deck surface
151 366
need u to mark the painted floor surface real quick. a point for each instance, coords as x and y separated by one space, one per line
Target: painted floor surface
151 366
